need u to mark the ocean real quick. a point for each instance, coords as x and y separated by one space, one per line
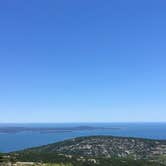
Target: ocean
15 137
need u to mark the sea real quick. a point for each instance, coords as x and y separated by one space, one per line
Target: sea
14 137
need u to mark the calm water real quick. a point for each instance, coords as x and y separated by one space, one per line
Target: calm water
20 140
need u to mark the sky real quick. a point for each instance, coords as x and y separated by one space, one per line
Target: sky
82 61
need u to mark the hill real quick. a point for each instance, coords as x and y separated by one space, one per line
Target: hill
95 147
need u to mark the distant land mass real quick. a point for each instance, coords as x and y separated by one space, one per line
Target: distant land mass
99 148
52 129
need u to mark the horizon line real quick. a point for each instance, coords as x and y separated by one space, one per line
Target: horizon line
81 122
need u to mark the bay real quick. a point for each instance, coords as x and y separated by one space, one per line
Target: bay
31 135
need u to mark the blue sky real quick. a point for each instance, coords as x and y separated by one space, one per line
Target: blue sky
82 61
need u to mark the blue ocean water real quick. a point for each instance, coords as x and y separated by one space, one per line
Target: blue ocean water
25 139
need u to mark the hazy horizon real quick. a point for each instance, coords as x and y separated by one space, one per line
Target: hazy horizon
125 122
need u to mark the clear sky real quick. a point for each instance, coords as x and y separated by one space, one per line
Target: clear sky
82 60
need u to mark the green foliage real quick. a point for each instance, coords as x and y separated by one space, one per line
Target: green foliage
1 157
54 159
60 164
